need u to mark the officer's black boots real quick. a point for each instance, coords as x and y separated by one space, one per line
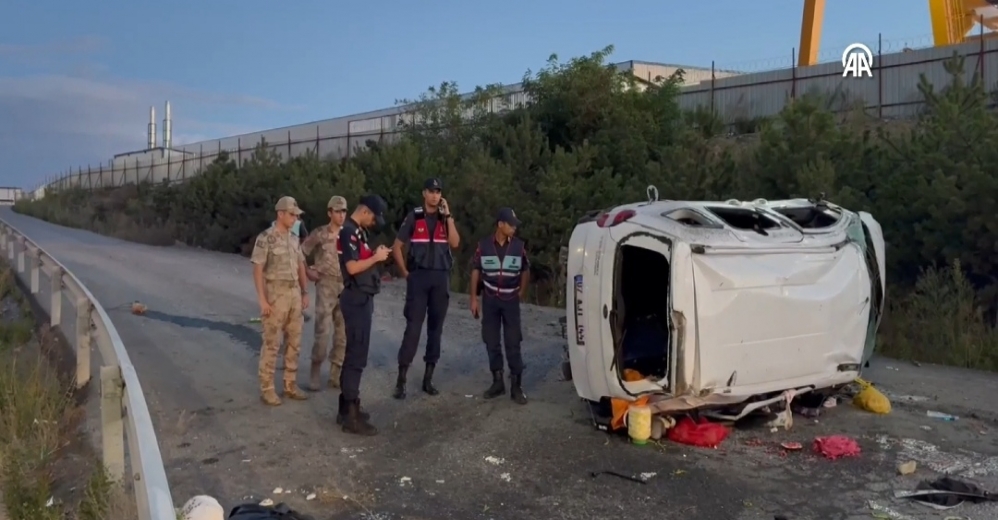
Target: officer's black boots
355 421
399 392
498 387
516 390
428 380
341 413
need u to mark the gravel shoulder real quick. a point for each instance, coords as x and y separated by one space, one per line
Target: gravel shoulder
457 456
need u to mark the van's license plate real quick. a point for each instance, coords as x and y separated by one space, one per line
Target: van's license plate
580 334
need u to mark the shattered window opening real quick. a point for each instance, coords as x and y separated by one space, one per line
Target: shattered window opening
742 218
689 217
810 217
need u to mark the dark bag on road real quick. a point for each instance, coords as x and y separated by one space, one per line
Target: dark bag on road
258 512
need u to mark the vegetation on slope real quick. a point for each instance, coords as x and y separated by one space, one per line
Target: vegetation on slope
40 452
589 140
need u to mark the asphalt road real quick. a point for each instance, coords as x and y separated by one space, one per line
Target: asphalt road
457 456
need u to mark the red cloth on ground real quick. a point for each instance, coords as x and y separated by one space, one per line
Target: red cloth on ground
836 446
704 434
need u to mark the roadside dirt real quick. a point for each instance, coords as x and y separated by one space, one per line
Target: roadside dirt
457 456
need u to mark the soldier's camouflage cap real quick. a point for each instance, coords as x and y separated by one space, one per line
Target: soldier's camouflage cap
337 203
288 204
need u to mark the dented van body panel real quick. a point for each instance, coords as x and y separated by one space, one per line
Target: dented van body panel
762 297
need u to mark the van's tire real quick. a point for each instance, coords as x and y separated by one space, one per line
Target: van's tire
566 370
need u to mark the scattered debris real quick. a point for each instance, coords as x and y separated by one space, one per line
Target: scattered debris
495 461
505 477
885 512
908 398
836 446
831 402
946 493
255 320
792 446
941 416
310 496
907 468
278 491
138 308
266 502
440 481
595 474
405 481
648 475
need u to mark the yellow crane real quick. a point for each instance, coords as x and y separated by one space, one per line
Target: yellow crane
951 21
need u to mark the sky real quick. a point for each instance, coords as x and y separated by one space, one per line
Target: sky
77 78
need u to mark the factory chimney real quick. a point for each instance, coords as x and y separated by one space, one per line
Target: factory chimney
167 128
151 132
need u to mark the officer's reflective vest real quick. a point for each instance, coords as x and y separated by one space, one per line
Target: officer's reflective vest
368 281
428 248
501 275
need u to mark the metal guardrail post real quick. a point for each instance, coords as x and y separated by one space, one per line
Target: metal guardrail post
20 255
112 426
36 267
83 336
56 311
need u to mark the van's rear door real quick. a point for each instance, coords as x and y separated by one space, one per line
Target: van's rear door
780 314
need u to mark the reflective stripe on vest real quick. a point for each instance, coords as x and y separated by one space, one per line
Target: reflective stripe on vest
421 232
501 275
428 248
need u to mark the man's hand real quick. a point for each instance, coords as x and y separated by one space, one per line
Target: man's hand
403 273
304 301
381 254
473 304
264 309
443 207
312 274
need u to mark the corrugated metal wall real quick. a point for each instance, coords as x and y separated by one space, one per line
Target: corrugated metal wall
891 93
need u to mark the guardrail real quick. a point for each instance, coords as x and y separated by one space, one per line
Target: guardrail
122 403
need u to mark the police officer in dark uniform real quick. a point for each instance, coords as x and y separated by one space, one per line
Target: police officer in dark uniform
501 268
361 281
430 233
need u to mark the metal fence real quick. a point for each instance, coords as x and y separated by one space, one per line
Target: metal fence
123 411
891 93
159 167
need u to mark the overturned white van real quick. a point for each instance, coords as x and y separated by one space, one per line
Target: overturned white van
721 304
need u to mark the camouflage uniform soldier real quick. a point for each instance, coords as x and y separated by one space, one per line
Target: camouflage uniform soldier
280 278
328 285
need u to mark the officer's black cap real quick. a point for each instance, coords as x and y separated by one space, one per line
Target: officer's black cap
508 216
377 205
433 184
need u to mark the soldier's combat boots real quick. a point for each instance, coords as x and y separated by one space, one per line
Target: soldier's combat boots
498 386
399 392
269 396
428 387
341 413
335 371
355 423
516 390
291 391
313 376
